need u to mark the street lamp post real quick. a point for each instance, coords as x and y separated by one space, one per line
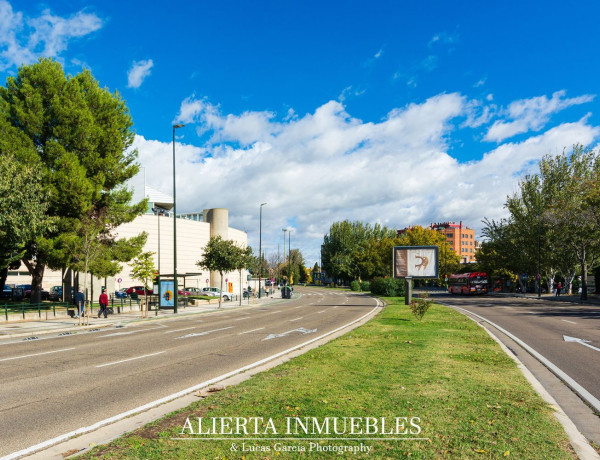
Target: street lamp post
290 255
539 275
284 230
260 257
175 283
157 211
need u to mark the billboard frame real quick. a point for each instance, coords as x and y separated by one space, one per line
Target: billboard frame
409 249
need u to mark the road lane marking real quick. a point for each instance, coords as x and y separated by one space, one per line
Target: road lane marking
567 321
276 311
122 333
196 334
179 394
322 311
253 330
302 306
131 359
242 318
296 319
584 342
283 334
179 330
36 354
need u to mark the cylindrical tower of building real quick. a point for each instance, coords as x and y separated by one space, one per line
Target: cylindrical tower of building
218 218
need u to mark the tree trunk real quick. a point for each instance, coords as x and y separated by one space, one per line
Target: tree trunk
37 276
3 276
241 291
584 295
221 290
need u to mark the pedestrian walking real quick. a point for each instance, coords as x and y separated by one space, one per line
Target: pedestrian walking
558 288
554 287
79 299
103 301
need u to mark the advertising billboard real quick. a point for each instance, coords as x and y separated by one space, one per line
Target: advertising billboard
416 262
167 298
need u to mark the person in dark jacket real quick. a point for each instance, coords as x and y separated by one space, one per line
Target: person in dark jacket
103 300
79 299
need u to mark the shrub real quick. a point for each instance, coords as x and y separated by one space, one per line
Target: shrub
419 307
355 286
387 287
365 286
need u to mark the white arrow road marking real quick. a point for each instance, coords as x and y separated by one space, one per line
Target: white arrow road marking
196 334
283 334
581 341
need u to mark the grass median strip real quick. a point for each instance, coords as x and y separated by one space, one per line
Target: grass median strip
393 388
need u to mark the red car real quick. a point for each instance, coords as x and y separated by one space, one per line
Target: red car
139 290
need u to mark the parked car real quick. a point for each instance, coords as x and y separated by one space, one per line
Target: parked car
210 291
216 292
55 293
193 291
139 290
121 293
27 291
7 291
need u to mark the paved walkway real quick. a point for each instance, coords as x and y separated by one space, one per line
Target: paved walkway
50 326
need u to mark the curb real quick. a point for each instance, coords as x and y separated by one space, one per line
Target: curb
578 441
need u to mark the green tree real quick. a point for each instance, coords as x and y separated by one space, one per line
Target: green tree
572 213
142 269
221 256
348 249
244 259
79 136
23 206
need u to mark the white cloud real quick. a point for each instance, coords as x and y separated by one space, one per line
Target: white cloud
531 114
326 166
23 40
443 37
138 72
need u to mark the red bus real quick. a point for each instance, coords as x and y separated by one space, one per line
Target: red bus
468 283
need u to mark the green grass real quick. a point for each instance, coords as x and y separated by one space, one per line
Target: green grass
471 399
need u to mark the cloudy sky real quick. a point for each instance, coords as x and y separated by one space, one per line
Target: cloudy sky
379 111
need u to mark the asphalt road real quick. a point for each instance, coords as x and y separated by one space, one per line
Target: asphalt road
543 325
58 384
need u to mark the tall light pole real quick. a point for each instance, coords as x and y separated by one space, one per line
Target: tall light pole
539 275
284 230
175 283
290 255
260 250
157 211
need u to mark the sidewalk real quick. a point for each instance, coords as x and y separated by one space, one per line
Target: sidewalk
70 325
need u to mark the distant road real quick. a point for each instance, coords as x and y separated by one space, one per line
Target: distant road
58 384
542 324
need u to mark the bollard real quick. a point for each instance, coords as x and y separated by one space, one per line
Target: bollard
407 290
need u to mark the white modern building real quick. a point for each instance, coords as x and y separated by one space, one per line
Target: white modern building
193 232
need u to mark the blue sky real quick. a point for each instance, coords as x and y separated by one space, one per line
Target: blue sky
378 111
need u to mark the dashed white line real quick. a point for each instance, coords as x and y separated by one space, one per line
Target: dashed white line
242 318
276 311
567 321
196 334
130 359
36 354
296 319
179 330
322 311
253 330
